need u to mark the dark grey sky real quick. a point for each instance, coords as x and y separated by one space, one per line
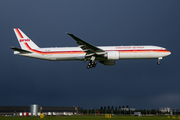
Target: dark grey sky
137 83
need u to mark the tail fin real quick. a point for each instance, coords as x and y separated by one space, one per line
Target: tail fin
24 41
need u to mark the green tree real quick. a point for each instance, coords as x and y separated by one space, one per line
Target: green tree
112 108
119 110
105 111
116 110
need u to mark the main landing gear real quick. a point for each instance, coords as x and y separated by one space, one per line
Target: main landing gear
159 59
91 64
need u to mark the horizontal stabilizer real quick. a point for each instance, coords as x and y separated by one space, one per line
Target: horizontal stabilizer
20 50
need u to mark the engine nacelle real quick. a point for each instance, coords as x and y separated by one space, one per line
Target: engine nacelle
108 62
113 55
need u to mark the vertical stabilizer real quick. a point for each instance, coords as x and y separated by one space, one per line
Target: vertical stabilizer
23 40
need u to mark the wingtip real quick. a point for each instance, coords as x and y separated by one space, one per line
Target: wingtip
12 47
67 33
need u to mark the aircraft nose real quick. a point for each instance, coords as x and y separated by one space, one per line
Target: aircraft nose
168 53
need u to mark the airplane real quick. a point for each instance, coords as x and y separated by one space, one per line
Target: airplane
85 51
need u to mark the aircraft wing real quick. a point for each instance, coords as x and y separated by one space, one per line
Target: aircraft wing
87 47
20 50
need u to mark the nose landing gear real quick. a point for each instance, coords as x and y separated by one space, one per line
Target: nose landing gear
159 59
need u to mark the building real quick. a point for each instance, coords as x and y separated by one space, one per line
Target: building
164 110
128 109
11 110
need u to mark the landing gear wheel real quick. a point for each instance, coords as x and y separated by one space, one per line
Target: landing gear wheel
88 67
91 64
94 65
158 63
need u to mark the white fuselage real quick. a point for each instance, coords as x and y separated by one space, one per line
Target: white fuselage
76 53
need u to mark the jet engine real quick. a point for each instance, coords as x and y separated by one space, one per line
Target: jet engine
112 55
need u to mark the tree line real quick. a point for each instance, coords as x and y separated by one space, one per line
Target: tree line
124 110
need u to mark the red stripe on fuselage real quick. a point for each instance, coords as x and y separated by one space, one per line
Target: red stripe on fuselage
53 52
81 52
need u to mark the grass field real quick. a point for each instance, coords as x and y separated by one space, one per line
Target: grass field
89 118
